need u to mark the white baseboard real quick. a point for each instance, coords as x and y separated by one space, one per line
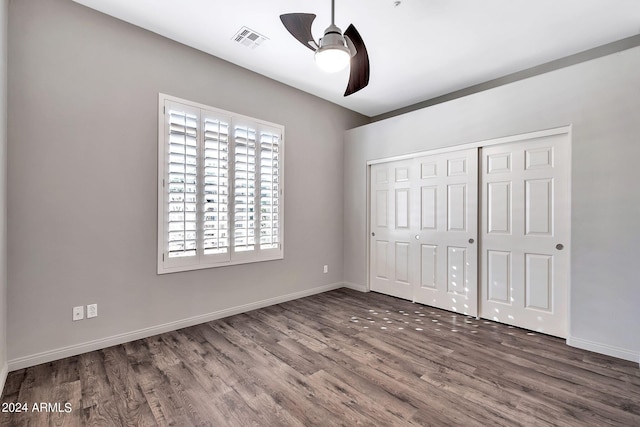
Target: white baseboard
355 286
73 350
609 350
4 371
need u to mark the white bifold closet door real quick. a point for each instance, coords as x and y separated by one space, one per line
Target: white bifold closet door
525 226
424 230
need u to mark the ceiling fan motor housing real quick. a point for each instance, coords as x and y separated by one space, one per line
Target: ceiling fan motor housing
333 39
333 54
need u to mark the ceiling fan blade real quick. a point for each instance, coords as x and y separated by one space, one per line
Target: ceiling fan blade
359 70
299 25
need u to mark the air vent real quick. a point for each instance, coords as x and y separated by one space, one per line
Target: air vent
249 38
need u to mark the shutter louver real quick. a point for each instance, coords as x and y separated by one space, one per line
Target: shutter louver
182 185
216 184
244 188
269 190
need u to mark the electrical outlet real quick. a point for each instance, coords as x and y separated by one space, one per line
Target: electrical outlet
92 311
326 268
78 313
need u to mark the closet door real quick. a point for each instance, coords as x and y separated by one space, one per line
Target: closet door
392 250
525 234
446 199
424 230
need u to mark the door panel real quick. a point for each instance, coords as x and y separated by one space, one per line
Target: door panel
538 281
499 285
448 211
429 209
524 215
456 208
539 207
391 262
402 262
402 208
428 222
382 208
381 249
499 207
456 260
429 260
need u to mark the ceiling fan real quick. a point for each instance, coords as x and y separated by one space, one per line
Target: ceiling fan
335 50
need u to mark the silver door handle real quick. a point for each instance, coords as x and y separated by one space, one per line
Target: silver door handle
417 237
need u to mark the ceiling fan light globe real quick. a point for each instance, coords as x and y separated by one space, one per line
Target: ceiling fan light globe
332 59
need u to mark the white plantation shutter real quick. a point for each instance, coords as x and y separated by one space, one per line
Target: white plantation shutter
219 189
244 188
215 231
269 190
181 186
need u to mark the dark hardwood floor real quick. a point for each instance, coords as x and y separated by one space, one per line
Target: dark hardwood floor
338 358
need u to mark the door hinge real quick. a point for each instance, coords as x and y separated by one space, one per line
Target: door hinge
163 183
162 257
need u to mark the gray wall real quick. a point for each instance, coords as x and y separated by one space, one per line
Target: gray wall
4 4
601 99
82 176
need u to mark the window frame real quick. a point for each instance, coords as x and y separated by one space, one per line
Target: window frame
201 260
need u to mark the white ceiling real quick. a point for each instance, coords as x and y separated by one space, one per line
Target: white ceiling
418 50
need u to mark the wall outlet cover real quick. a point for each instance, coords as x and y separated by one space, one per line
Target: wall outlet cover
92 310
78 313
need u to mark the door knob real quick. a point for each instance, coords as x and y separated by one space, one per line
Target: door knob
471 241
559 246
373 234
417 237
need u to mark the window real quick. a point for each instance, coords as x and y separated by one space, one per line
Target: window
219 187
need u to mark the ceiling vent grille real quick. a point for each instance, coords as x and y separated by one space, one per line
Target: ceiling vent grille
249 38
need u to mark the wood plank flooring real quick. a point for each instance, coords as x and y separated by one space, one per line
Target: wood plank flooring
338 358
